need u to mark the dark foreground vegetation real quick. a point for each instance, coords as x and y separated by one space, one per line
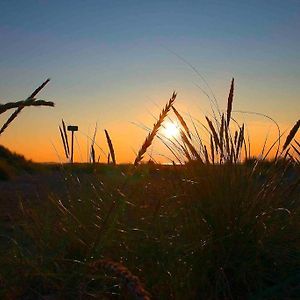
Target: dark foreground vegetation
215 224
186 232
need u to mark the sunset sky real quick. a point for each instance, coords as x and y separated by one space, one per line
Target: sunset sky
116 63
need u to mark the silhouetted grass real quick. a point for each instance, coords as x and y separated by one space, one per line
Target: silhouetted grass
20 105
221 225
198 231
12 164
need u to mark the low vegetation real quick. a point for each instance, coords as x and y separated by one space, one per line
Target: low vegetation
12 164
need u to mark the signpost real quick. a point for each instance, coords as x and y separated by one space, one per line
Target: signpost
72 129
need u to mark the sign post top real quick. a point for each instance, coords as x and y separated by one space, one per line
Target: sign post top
72 128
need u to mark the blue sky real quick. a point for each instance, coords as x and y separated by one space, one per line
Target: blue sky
109 60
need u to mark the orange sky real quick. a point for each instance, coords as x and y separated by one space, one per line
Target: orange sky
35 132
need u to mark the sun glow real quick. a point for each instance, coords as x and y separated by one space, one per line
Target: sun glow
171 130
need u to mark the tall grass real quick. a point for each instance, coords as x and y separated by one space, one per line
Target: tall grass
227 143
218 226
187 232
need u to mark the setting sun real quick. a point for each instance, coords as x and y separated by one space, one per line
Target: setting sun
171 130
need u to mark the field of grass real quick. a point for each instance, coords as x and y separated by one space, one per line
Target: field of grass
213 225
187 232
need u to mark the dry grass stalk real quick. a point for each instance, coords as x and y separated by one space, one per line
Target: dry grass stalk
222 133
30 102
182 122
229 102
131 282
64 142
235 137
227 141
38 89
240 141
92 149
186 152
212 150
291 135
264 145
297 150
170 148
190 146
66 136
93 159
232 157
214 133
149 139
206 155
287 154
111 148
198 135
20 108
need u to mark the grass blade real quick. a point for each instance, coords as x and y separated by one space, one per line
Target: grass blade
111 148
64 142
182 122
229 102
66 136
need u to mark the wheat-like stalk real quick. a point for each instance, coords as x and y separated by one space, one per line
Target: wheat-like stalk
131 282
149 139
110 146
20 108
29 102
38 89
229 102
291 135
